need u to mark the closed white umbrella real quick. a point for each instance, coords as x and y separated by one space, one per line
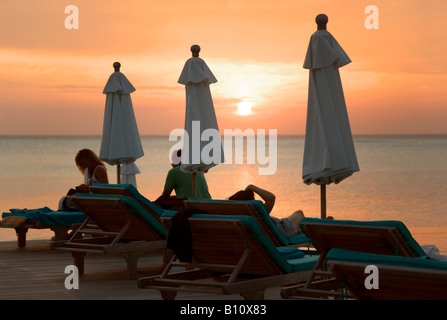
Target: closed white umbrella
121 143
329 153
199 116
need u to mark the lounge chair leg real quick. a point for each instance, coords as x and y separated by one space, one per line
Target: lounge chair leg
78 258
60 235
21 237
167 256
254 295
168 295
60 232
132 260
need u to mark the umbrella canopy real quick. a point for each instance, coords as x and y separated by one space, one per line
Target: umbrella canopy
329 154
121 144
199 116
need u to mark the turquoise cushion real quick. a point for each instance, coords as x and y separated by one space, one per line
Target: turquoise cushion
378 259
383 223
168 214
48 217
263 214
305 263
137 195
290 253
298 238
135 207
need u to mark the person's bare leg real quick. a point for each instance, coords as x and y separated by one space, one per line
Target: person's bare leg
296 219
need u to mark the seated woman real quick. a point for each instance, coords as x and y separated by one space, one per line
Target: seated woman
289 226
94 171
92 168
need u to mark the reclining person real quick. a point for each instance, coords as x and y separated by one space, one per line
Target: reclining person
288 226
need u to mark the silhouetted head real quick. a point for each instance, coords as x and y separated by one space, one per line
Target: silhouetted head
243 195
176 157
86 158
117 66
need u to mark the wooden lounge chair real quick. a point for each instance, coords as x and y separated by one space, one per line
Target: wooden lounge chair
379 237
255 209
121 225
231 255
398 278
60 222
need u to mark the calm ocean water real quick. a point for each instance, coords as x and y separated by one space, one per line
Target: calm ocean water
401 177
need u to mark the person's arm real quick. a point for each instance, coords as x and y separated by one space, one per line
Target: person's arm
170 184
268 197
84 188
101 175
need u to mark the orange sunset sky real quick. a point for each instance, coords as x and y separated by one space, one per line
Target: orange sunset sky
52 78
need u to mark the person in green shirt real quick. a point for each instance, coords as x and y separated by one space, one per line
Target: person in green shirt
181 182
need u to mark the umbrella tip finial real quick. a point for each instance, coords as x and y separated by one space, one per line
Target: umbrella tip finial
117 66
195 49
321 21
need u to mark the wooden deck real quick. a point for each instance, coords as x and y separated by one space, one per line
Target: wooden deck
37 272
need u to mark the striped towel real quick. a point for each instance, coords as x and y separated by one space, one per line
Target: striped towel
12 221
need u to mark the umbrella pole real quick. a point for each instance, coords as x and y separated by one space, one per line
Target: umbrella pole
118 173
194 184
323 200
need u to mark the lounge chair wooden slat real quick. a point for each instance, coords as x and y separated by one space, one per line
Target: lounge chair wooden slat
100 232
86 250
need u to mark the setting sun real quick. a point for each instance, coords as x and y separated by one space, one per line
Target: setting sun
55 64
244 108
